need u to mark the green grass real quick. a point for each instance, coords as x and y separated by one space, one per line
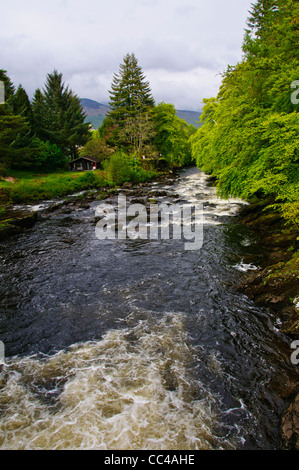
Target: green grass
28 186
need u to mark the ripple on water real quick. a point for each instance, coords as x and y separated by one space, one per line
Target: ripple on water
130 390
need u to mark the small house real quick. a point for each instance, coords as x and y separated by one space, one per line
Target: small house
84 164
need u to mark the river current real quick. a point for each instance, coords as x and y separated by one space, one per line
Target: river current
138 344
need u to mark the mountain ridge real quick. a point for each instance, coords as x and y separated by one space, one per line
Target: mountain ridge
96 112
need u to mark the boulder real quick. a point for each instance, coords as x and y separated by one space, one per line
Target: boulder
290 426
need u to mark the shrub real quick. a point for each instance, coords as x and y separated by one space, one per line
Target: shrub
118 170
122 168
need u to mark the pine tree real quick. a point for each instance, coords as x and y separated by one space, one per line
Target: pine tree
14 130
38 108
261 16
21 105
59 116
15 127
131 102
130 93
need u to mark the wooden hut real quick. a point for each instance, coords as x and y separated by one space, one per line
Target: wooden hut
84 164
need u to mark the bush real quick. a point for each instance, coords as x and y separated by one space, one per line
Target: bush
118 170
90 180
122 168
48 157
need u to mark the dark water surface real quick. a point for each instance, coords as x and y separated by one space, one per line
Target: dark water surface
138 344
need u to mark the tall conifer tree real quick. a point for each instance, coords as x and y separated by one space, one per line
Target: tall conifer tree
59 116
130 93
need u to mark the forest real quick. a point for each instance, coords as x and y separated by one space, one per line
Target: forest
45 134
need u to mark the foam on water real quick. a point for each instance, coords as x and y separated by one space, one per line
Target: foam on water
130 390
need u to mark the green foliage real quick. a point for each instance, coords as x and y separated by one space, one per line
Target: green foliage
41 187
135 125
122 168
14 138
130 93
91 180
127 124
250 136
59 117
96 147
172 135
137 132
20 105
48 157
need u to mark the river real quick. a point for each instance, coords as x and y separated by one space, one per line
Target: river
138 344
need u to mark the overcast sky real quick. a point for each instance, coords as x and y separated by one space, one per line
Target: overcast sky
181 45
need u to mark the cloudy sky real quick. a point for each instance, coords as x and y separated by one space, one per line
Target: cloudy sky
181 45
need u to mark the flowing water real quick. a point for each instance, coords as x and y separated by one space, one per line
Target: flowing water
138 344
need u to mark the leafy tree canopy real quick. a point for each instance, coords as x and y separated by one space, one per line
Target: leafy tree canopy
250 136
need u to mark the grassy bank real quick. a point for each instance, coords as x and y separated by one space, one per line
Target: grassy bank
26 187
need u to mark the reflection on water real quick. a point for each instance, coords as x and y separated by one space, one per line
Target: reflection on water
138 344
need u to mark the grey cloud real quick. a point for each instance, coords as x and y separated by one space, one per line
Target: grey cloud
181 46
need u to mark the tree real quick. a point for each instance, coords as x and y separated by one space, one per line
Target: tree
172 135
48 157
14 130
249 140
128 124
59 116
130 93
137 132
20 104
38 109
96 147
261 17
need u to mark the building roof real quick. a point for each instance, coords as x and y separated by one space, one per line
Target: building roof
90 159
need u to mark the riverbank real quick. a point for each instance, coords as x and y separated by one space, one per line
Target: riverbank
273 285
276 285
21 199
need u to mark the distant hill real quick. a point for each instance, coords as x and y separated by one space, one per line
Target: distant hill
96 112
191 117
